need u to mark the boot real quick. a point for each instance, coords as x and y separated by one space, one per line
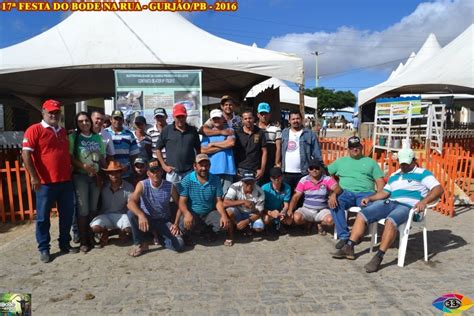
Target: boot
83 223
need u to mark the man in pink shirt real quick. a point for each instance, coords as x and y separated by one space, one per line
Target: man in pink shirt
315 187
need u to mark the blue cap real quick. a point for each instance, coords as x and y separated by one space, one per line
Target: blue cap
263 107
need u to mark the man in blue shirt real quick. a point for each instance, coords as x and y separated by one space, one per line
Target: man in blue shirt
219 150
200 194
277 198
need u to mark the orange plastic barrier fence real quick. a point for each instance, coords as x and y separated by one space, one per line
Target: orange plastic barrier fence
454 166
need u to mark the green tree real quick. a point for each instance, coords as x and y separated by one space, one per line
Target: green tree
330 99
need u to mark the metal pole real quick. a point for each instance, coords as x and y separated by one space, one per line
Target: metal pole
316 53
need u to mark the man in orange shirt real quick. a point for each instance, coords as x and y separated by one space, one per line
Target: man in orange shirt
46 157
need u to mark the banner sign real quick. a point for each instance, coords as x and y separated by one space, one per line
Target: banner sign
139 92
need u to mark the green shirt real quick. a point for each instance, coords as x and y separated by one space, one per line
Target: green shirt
89 149
356 175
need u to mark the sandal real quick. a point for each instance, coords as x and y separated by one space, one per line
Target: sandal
138 250
228 242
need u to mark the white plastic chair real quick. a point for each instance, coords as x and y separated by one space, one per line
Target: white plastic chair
354 209
404 231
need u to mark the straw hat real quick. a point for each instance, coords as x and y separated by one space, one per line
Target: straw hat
114 166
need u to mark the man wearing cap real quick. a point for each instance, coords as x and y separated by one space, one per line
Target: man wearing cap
140 170
232 120
315 187
299 145
273 137
114 197
98 128
125 144
250 150
142 138
244 203
408 187
155 130
358 178
150 211
277 198
219 150
46 157
181 142
200 194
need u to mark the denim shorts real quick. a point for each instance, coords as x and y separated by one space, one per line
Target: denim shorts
391 210
240 216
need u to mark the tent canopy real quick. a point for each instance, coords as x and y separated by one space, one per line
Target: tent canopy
450 69
76 58
287 95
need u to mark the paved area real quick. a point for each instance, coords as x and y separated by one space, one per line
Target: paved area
291 275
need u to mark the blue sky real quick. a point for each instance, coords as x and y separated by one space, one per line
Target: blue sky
360 42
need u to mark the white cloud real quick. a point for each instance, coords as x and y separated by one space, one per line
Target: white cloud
350 48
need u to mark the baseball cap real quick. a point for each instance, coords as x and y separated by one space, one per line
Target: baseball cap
406 155
154 165
117 113
139 160
216 113
179 109
314 163
258 224
354 142
201 157
140 119
226 98
160 112
248 176
275 172
51 105
263 107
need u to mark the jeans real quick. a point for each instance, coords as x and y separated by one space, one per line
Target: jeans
87 194
63 194
391 210
346 200
161 227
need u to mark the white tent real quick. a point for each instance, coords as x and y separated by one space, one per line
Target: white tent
75 59
450 69
287 95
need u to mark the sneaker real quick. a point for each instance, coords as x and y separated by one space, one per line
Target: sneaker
44 256
68 249
341 243
76 238
373 265
346 252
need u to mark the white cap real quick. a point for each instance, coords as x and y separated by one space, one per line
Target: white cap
216 113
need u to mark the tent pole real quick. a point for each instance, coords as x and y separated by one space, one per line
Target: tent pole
302 99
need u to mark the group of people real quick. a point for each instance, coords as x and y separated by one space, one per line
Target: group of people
240 174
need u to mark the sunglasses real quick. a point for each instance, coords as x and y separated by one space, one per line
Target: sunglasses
314 168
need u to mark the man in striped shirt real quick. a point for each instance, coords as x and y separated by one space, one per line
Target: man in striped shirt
155 131
125 144
407 188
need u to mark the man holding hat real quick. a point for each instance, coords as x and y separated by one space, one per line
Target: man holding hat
125 144
244 203
219 150
315 187
358 177
155 131
181 142
408 187
200 194
46 157
232 120
150 211
273 137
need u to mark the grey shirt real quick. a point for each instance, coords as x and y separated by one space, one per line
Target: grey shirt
116 202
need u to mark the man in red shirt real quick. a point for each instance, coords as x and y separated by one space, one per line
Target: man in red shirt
46 157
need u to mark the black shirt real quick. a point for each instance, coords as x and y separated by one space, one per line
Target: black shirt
248 148
181 147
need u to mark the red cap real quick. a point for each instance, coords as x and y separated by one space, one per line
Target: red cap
179 109
51 105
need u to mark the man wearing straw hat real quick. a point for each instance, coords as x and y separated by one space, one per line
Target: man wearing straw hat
114 204
46 157
409 187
